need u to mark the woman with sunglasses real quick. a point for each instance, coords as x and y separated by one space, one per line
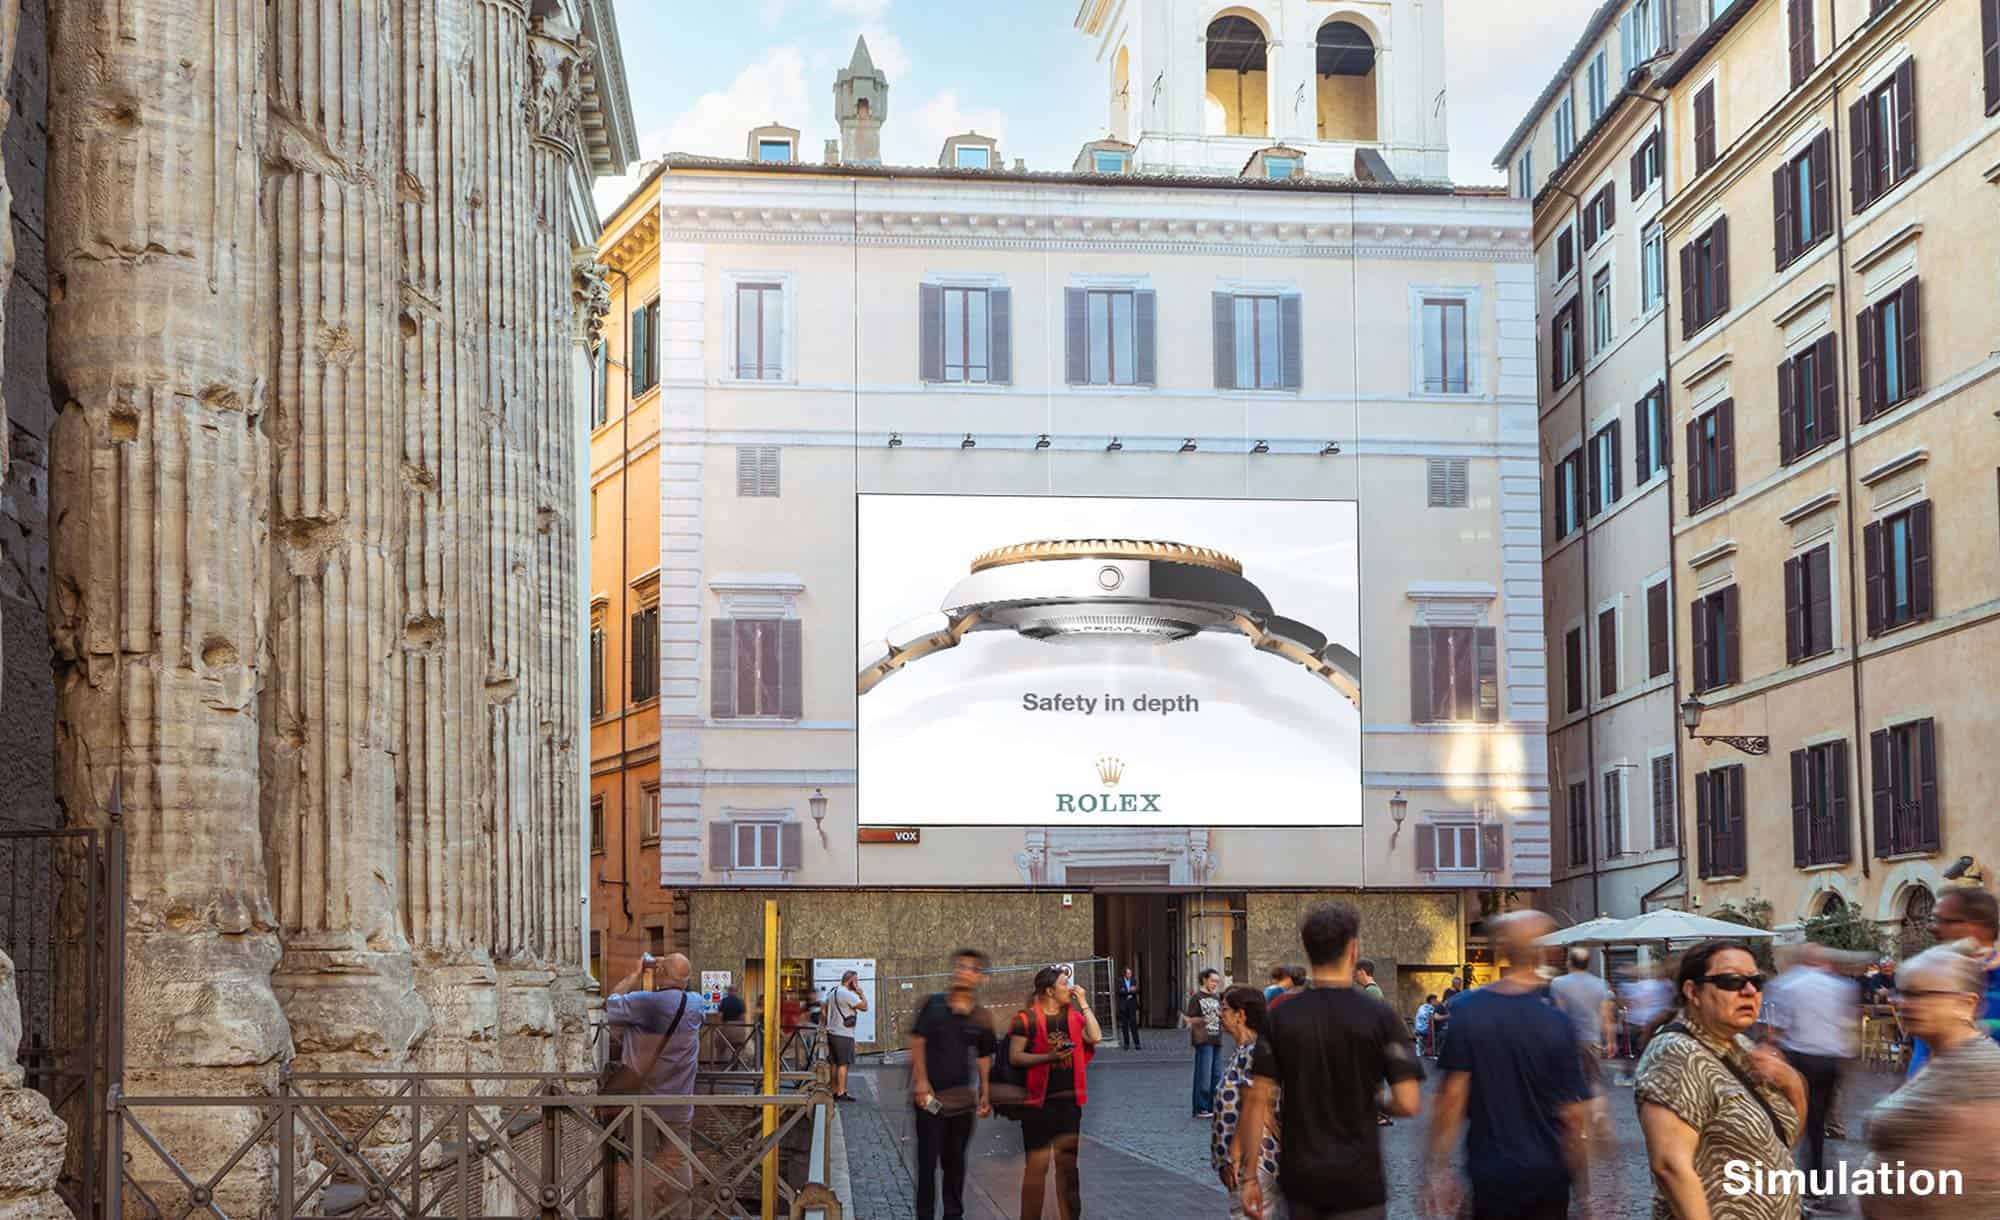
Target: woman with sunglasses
1716 1108
1948 1115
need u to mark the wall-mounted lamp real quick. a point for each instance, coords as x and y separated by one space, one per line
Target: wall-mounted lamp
1332 449
1188 446
895 440
968 442
1115 446
1399 809
1043 442
1261 447
817 804
1691 712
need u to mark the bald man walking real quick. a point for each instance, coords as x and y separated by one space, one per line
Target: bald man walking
662 1031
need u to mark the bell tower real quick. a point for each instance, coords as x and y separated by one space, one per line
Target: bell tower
1353 87
861 104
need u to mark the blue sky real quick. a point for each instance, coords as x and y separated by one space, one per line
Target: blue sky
703 73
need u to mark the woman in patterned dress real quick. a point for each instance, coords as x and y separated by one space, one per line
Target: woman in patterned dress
1948 1115
1715 1107
1242 1019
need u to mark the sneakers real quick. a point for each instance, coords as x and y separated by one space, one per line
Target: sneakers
1204 1114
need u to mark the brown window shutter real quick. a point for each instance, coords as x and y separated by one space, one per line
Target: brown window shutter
1732 637
1821 167
1000 336
1725 448
1609 195
1590 224
1617 465
721 668
1927 783
1690 293
1427 849
1801 808
1874 565
1868 332
1573 686
1836 787
721 846
1989 28
1739 831
1607 653
1701 629
1718 264
1223 307
1921 568
930 328
1146 327
1292 340
1704 824
1704 128
1642 440
1795 600
1493 847
1488 643
791 669
1906 119
1825 391
1076 336
1788 406
1697 494
1782 180
791 845
1861 155
1638 167
1420 675
1593 476
1658 625
1911 320
1882 783
1819 600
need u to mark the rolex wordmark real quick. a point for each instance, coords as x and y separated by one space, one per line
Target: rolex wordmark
1113 591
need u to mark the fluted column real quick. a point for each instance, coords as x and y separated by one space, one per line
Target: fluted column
333 692
158 353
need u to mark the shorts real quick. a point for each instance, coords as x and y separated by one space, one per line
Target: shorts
1044 1125
1288 1210
1592 1061
839 1050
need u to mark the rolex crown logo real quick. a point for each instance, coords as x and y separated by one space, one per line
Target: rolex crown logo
1110 770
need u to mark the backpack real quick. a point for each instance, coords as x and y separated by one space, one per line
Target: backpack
1008 1080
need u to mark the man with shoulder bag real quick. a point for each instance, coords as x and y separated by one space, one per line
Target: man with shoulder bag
951 1059
843 1008
659 1054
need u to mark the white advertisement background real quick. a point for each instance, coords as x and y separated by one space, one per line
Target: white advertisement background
826 975
946 742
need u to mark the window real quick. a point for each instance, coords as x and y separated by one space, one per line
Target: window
1577 815
1808 400
1573 664
1652 269
1883 134
1903 762
756 668
1819 805
597 955
596 825
1704 128
1805 53
760 332
1454 675
1107 161
1989 32
645 648
972 156
1280 168
774 150
1605 469
1568 507
596 670
1600 311
645 347
761 845
1565 254
649 814
1639 33
1257 341
757 471
1897 560
1659 631
1802 195
1705 278
1565 346
1651 452
1599 215
965 334
1565 129
600 401
1524 175
1607 652
1719 809
1459 847
1809 604
1892 346
1614 814
1445 482
1717 659
1595 79
1665 824
656 941
1445 359
1646 164
1711 448
1110 336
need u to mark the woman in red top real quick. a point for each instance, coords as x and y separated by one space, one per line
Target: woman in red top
1053 1040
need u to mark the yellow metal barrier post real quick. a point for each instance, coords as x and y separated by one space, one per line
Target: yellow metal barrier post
773 1051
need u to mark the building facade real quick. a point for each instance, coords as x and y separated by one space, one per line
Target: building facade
796 374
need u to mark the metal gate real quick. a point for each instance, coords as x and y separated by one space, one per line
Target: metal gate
61 895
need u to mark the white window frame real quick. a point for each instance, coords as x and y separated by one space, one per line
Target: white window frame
788 360
1653 268
1460 827
1652 807
1475 365
1097 157
1654 433
1565 128
1615 772
960 151
1603 312
1575 254
1597 96
784 142
1571 497
775 820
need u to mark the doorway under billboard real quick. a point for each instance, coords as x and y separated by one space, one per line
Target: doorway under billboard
1168 939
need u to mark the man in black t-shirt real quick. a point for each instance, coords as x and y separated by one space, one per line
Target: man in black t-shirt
1327 1051
947 1038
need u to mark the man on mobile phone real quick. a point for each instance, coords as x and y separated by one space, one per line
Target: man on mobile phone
843 1008
951 1061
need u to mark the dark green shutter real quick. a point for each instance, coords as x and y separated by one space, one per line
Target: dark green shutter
930 332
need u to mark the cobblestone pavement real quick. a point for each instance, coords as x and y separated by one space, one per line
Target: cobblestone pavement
1144 1157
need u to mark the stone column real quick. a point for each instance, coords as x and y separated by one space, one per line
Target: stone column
333 696
158 354
31 1136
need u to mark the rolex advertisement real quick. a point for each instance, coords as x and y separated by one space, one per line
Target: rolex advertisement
1083 662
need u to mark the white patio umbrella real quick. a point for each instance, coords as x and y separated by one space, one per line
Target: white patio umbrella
1656 926
1585 933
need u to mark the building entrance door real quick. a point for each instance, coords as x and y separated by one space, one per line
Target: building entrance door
1147 933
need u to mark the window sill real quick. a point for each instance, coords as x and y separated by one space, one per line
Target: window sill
1891 409
1918 854
637 397
734 382
1892 628
1802 658
1803 454
642 704
597 851
1722 878
1092 387
1826 866
967 387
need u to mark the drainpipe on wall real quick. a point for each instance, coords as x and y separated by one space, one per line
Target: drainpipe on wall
624 883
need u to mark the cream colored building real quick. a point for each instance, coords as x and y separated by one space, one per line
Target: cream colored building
1832 377
794 377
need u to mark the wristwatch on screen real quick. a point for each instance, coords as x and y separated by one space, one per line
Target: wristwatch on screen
1110 590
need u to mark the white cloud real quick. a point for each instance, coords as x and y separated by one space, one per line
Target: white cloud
888 52
770 12
772 89
864 10
922 136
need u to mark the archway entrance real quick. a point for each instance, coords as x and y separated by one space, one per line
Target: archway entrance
1345 82
1914 934
1238 78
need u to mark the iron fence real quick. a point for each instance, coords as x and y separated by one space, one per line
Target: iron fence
438 1146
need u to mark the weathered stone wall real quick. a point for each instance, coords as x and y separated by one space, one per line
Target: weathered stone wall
31 1138
1410 936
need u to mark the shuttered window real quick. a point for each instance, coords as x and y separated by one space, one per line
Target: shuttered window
1646 164
1711 448
965 335
1607 469
1110 335
1802 200
645 646
757 471
1607 652
596 672
1721 841
1717 642
1705 278
1651 448
1819 805
1565 345
1896 557
649 814
596 825
646 347
1614 814
1573 663
1804 50
1989 33
1890 334
1659 630
1809 604
756 669
1882 128
1808 400
1665 823
1568 497
1258 341
760 332
1565 254
1704 128
1454 675
1577 822
1601 332
1903 764
1460 847
1445 480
